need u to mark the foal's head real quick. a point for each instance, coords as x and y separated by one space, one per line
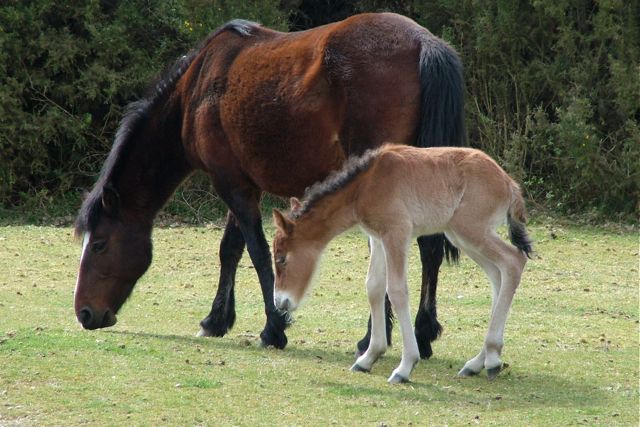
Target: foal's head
116 252
296 257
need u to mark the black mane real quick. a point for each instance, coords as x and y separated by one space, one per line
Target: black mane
134 119
353 167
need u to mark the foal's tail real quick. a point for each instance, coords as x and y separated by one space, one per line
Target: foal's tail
516 220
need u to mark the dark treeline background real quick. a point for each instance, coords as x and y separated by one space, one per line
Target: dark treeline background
552 89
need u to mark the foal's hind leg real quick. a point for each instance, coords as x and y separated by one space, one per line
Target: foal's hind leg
475 365
223 313
376 281
503 264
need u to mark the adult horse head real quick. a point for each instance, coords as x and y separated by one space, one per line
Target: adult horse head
116 251
116 218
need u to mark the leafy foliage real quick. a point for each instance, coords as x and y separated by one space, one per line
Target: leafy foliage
552 87
67 71
553 91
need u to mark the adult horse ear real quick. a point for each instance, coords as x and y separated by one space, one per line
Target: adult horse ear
282 222
110 200
295 203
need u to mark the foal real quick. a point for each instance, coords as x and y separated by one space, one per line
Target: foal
394 193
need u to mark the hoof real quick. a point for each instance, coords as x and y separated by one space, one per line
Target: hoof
211 328
358 368
492 373
397 379
273 338
466 373
203 333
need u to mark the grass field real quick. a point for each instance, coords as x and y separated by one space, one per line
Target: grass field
571 341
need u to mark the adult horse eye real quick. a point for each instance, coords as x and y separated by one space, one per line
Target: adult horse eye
281 260
99 246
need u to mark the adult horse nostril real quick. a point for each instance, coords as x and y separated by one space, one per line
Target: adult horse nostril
109 319
85 316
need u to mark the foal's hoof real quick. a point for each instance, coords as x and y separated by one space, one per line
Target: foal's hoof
358 368
492 373
397 379
466 373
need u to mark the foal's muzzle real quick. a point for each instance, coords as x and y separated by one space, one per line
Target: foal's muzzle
93 319
283 302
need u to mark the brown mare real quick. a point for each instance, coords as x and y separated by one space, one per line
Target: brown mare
394 193
264 111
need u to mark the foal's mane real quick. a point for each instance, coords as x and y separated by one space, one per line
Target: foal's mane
337 180
136 116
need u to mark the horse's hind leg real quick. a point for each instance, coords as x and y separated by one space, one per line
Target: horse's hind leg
376 281
475 365
503 264
510 261
223 312
427 327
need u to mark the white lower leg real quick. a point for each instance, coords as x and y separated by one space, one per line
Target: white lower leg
410 351
376 278
474 366
495 336
378 342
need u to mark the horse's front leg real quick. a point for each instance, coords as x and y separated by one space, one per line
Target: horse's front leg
223 313
246 209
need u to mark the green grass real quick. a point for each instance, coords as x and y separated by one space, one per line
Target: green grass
571 341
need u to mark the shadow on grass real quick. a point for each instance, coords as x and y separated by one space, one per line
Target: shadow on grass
433 380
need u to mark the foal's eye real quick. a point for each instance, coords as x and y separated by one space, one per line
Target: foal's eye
281 260
99 246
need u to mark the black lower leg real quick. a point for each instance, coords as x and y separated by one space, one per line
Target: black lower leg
427 328
258 248
223 313
363 344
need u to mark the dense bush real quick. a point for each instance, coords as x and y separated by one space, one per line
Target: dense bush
553 86
67 71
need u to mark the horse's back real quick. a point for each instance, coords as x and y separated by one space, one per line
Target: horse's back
288 108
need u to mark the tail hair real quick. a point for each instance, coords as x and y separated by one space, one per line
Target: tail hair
442 95
516 220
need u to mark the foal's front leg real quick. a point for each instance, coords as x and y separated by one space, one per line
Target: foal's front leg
396 247
376 280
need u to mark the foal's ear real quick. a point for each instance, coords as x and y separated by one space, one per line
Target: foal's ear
110 200
295 203
282 222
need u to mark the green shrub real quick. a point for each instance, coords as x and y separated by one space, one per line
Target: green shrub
68 69
552 88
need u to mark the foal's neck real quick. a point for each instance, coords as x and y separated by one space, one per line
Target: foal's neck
331 216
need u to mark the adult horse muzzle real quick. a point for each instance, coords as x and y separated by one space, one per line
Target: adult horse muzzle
93 319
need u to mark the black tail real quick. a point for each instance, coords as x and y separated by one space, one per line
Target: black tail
442 121
519 236
442 86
